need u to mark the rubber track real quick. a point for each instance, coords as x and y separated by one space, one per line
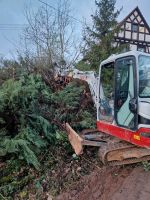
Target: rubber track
109 147
128 161
119 147
115 145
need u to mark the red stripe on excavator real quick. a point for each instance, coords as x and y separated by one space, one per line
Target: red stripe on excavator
133 137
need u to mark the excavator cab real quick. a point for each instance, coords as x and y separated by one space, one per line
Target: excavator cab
118 92
123 110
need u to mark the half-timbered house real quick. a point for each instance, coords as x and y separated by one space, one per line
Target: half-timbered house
134 31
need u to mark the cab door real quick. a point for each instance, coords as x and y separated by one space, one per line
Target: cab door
126 93
106 108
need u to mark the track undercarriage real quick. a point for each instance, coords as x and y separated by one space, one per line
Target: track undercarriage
112 151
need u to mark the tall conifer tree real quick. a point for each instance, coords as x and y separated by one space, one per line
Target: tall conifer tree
100 38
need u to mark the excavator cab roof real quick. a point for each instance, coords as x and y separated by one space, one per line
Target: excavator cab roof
114 57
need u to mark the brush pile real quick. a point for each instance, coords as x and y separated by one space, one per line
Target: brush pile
33 110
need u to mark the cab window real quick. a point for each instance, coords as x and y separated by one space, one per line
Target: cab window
107 92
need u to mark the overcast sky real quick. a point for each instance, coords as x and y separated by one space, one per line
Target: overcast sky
13 12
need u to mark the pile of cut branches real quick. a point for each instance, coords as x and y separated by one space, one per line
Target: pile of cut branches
32 114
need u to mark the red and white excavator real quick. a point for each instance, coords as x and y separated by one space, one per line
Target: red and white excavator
122 97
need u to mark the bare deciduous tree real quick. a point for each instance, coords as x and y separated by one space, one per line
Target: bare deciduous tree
51 32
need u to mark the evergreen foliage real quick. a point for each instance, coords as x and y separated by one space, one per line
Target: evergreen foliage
31 116
74 106
24 130
83 66
100 38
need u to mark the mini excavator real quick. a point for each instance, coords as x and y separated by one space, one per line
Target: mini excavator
123 111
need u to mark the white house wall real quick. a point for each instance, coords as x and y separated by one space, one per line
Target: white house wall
135 31
133 47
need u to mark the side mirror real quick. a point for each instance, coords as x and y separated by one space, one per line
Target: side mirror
133 105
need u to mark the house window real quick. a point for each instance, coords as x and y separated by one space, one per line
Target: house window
141 28
141 48
134 28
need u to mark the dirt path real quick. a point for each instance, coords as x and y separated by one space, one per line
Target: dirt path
135 187
112 184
